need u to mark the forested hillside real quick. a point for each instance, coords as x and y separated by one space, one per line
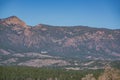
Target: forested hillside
30 73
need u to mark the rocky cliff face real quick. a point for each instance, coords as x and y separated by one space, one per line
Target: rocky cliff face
12 21
77 41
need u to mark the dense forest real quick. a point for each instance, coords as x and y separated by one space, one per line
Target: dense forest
31 73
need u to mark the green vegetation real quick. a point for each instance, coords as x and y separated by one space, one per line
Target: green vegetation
30 73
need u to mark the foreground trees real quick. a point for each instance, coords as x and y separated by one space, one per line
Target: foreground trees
30 73
110 74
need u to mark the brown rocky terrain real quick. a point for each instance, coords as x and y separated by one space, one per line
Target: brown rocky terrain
80 42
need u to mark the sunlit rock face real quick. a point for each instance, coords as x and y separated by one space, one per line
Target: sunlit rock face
12 21
77 41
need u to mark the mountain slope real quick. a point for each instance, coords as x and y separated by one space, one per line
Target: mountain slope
80 42
63 41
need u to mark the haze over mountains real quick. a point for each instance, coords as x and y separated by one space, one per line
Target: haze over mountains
21 44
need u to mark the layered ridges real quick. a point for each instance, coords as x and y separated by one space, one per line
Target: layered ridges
78 41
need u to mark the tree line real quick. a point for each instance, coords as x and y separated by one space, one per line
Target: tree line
31 73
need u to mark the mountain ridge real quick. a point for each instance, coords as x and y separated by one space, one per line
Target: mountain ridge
22 23
84 43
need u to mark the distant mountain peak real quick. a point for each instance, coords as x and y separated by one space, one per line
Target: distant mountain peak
13 17
12 20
